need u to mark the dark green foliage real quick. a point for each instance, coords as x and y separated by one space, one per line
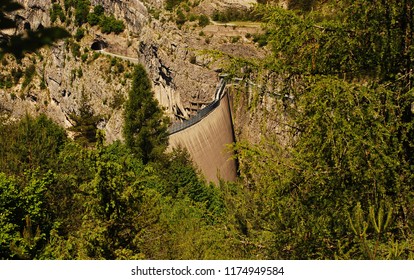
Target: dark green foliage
102 202
17 74
108 24
84 57
57 12
75 48
68 4
85 124
80 33
261 39
339 186
304 5
24 211
203 20
93 19
6 81
145 129
28 75
231 14
82 11
348 152
117 101
30 144
181 18
111 24
97 16
98 10
171 4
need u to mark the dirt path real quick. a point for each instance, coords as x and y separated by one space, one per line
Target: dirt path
131 59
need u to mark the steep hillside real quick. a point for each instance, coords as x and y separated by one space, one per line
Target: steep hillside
175 53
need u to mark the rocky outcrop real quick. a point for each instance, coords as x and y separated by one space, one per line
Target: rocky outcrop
184 80
132 11
35 15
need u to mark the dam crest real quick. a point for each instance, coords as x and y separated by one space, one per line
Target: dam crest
206 137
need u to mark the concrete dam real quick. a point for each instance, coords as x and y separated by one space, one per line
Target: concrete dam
206 136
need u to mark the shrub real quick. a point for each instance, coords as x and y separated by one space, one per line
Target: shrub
28 75
203 20
57 11
261 39
81 11
75 48
117 101
16 74
80 33
111 24
171 4
235 39
181 18
93 19
84 57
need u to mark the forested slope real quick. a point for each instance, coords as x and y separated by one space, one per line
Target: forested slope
341 186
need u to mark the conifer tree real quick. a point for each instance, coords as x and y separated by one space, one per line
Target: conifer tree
85 123
145 129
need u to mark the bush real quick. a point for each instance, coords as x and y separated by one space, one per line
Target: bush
75 48
235 39
261 39
110 24
203 20
98 10
82 12
96 55
181 18
80 33
28 75
97 16
117 101
56 12
236 15
84 57
171 4
93 19
16 74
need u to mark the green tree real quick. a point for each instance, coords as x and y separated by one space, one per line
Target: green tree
24 223
85 123
82 11
145 128
111 24
30 144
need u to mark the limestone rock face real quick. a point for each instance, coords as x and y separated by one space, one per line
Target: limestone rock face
132 11
36 13
184 80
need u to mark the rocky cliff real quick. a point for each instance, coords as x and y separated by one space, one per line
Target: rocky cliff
70 73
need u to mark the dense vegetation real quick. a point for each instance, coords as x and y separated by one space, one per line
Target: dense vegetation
341 186
63 199
80 11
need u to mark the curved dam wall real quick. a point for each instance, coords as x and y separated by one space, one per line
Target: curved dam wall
206 140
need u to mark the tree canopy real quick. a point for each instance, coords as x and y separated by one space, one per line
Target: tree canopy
145 129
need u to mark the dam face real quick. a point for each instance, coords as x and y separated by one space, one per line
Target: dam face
206 141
